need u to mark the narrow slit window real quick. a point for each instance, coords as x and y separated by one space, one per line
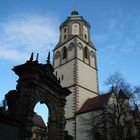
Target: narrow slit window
65 30
64 52
86 52
64 37
62 77
85 36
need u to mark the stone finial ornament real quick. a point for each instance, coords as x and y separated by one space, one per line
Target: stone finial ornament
37 56
31 57
48 58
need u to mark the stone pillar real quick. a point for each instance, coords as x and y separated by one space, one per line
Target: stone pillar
26 115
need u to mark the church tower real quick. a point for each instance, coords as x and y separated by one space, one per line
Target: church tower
75 65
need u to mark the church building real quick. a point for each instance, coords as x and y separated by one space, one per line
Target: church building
88 114
75 66
70 90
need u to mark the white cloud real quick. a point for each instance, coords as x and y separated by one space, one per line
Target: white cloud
121 37
25 34
12 54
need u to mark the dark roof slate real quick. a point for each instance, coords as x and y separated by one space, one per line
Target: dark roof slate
94 103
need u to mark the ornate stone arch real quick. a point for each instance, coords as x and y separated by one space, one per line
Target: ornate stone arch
57 55
86 55
37 83
71 51
80 51
71 47
92 59
80 46
64 53
57 59
92 54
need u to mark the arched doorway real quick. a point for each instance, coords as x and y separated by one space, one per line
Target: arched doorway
37 83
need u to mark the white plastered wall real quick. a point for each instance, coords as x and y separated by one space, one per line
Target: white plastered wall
69 108
70 126
84 95
75 29
67 72
60 61
87 77
92 53
82 127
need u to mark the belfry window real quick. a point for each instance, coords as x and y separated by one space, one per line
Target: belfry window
64 37
86 52
65 29
85 36
64 53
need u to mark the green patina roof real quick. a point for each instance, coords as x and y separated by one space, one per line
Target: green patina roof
74 12
75 16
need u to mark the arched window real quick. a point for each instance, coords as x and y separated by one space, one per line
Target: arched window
64 37
80 46
64 53
65 29
86 52
57 55
85 36
71 46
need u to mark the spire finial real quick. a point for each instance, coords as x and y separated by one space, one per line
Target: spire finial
48 58
31 57
37 56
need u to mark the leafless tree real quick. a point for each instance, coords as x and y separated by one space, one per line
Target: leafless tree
117 81
116 120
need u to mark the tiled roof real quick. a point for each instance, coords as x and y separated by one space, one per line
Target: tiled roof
94 103
38 121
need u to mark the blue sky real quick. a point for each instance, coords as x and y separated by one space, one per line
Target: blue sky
33 26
